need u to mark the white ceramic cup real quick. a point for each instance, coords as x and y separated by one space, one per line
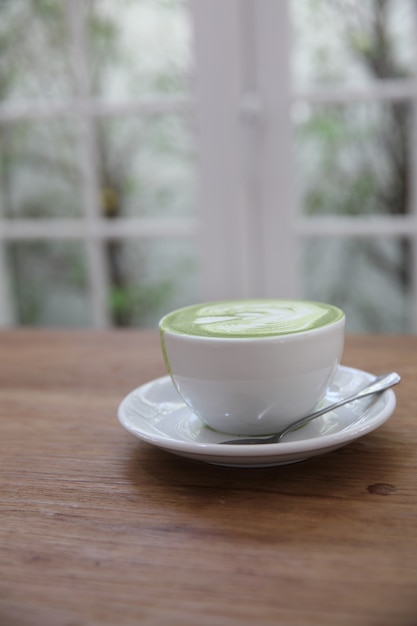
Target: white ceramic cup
251 367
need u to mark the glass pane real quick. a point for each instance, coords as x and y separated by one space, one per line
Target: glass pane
49 281
369 278
351 42
149 278
354 159
147 166
140 48
39 171
34 43
137 48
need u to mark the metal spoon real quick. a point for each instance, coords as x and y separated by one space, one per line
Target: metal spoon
379 384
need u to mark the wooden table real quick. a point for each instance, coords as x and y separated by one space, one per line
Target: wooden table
98 527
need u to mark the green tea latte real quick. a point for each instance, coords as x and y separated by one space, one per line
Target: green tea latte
250 318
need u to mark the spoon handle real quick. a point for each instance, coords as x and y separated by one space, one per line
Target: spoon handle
381 383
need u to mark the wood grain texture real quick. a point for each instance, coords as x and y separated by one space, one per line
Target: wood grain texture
100 528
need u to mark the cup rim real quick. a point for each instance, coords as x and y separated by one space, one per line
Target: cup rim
279 337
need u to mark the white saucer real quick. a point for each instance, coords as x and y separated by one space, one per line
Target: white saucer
156 414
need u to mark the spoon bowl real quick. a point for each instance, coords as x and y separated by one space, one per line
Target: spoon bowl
380 384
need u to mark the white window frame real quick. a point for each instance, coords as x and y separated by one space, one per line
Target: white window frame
248 200
246 188
247 221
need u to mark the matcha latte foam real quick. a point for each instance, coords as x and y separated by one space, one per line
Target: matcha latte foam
250 318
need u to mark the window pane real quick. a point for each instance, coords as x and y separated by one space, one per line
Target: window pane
39 170
137 48
149 278
354 159
369 278
345 41
146 166
140 48
49 281
34 42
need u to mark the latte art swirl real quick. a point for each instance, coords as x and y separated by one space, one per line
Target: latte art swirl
250 318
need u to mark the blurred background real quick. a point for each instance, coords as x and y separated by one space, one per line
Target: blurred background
154 153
